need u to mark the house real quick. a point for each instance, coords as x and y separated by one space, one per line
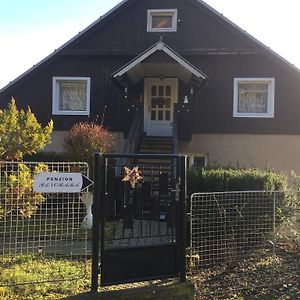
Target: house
173 70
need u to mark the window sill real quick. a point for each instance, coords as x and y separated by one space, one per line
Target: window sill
267 116
71 113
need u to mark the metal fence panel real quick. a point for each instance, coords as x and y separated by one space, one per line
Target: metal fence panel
235 235
41 227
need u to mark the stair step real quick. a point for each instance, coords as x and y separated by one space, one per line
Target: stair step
154 151
155 145
157 141
165 142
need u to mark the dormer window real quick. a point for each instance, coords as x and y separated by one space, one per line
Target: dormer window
162 20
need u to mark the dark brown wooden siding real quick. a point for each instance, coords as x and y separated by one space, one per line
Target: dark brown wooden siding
127 33
202 38
213 106
36 91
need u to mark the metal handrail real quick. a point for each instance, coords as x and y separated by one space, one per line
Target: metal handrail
175 131
134 134
175 140
132 140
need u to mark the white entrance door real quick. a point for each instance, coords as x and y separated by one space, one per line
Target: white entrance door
159 98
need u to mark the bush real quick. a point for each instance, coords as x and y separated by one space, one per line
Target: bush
222 180
44 156
237 222
84 139
20 133
16 188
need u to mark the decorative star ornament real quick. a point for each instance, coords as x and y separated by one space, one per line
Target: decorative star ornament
132 176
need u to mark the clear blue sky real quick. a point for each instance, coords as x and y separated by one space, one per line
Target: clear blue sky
31 29
35 12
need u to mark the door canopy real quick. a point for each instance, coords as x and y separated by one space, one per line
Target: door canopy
158 61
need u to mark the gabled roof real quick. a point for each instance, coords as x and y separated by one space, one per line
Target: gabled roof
111 12
56 51
184 65
249 36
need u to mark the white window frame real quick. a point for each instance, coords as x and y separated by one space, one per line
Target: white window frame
192 156
270 103
162 12
55 96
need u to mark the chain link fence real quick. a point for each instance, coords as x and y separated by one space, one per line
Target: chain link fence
245 240
40 233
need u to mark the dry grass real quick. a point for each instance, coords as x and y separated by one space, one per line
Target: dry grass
263 276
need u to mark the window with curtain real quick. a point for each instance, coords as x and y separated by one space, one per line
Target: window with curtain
253 97
71 95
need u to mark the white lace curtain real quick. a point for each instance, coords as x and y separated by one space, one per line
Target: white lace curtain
73 96
253 98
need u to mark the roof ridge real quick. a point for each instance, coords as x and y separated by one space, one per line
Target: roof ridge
116 7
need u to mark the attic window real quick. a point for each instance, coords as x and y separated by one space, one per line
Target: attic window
71 96
162 20
253 97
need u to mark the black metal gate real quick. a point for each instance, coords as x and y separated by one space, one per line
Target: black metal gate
138 218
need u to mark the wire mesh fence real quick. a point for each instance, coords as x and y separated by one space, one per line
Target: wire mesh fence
38 229
243 240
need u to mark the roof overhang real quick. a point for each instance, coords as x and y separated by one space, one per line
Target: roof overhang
173 66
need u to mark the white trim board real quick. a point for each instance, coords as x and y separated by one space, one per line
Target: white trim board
270 101
162 12
55 96
159 46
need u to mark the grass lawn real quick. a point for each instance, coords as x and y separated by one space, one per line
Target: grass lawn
30 269
264 277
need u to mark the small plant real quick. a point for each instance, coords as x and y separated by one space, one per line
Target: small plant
16 186
86 138
21 133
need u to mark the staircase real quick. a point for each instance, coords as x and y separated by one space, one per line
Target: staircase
156 171
155 145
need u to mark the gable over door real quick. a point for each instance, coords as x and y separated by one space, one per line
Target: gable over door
159 98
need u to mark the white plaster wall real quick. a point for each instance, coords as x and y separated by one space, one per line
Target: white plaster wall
58 142
278 152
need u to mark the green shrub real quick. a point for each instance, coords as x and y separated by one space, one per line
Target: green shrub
221 180
16 190
43 156
21 133
235 222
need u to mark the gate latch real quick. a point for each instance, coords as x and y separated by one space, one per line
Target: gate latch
176 191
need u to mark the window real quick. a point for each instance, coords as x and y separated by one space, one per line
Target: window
71 96
198 160
253 97
162 20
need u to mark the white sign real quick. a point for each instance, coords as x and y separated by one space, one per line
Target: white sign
55 182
